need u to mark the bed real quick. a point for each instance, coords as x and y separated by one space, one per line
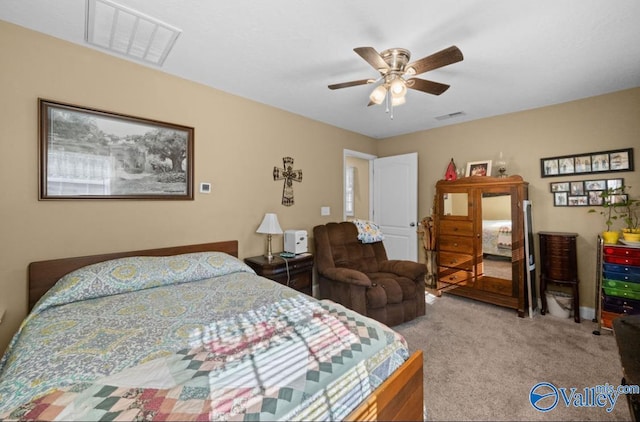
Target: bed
496 237
192 333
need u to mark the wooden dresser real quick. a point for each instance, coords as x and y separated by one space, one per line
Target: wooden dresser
464 262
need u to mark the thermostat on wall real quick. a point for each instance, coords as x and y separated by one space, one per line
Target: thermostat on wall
205 187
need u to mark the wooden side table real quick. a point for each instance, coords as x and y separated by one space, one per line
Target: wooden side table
296 272
559 265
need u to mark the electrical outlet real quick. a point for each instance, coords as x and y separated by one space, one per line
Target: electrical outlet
325 211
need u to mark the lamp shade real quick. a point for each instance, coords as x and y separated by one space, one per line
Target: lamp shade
378 94
269 224
398 88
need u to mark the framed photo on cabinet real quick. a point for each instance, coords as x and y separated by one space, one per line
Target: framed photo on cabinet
478 168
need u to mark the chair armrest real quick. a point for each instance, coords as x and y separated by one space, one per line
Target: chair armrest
346 275
409 269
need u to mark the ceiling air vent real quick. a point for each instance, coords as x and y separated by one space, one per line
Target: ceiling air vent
451 115
125 31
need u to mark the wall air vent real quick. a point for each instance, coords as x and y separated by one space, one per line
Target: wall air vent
125 31
451 115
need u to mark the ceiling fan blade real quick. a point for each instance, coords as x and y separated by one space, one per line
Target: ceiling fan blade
352 83
441 58
429 87
372 57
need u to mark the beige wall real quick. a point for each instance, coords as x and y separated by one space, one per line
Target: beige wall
237 144
594 124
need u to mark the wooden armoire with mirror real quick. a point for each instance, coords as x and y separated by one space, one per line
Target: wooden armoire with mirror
479 229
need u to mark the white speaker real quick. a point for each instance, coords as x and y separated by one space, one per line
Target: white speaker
295 241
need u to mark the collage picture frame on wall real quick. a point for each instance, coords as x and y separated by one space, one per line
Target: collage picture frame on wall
582 193
586 163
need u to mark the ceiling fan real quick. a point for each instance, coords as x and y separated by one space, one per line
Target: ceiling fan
396 73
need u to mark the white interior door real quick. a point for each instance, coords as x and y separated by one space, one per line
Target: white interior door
395 204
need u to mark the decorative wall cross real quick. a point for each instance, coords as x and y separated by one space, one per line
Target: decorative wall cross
289 175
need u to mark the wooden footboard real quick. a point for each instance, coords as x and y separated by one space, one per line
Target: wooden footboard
399 398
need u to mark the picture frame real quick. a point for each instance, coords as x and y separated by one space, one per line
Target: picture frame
478 168
595 197
579 193
617 199
595 185
86 153
560 199
615 183
577 188
586 163
578 201
559 187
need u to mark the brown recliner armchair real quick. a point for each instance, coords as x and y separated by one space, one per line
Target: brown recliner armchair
360 277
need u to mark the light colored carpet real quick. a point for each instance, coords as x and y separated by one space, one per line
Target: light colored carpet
481 362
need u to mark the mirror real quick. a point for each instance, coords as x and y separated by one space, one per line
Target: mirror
456 204
496 234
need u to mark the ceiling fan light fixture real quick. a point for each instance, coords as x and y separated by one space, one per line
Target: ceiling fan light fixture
398 88
378 94
396 101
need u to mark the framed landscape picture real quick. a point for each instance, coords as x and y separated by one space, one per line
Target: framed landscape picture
92 154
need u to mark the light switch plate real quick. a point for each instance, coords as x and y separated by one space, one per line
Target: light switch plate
325 211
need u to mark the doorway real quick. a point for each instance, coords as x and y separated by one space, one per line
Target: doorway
384 190
357 198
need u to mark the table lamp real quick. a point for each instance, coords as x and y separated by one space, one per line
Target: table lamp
269 226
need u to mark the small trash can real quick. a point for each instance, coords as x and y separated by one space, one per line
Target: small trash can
559 304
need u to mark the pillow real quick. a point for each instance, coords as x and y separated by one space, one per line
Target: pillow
368 231
136 273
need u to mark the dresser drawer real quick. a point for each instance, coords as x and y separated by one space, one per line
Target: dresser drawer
448 275
497 285
459 244
622 251
621 285
456 228
629 294
621 259
626 269
456 260
621 305
607 318
622 276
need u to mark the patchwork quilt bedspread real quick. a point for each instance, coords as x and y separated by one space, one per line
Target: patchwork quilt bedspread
496 237
194 337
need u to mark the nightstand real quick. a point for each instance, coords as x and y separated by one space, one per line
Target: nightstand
296 272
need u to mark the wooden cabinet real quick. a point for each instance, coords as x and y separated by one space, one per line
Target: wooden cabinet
559 265
479 229
296 272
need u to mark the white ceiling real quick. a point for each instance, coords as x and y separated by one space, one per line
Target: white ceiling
518 54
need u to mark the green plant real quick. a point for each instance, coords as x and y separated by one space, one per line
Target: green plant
609 206
628 210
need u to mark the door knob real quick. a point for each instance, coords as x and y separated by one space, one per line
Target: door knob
412 224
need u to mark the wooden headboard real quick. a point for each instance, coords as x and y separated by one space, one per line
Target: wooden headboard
44 274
